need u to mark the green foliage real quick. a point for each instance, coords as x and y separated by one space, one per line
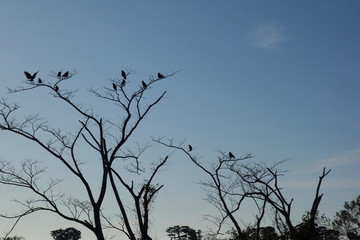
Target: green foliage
183 233
66 234
14 238
347 221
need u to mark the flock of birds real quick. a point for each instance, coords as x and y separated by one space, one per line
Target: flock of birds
31 77
231 155
123 82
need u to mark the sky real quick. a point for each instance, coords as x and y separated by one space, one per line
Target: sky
277 79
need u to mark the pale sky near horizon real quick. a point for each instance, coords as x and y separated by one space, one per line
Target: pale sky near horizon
278 79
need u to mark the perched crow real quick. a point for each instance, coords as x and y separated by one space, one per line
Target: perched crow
29 76
160 76
56 88
123 74
59 74
190 148
39 80
144 84
66 74
231 155
123 82
114 86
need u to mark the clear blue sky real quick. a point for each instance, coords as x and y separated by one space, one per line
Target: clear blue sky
278 79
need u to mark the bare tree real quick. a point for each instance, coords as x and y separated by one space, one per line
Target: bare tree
229 184
231 181
270 191
106 138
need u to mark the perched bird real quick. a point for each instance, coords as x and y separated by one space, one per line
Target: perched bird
56 88
190 148
29 76
160 76
123 83
59 74
144 84
123 74
231 155
114 86
66 74
39 80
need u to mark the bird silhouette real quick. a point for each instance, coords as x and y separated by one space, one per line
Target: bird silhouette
123 83
190 148
29 76
123 74
59 74
114 86
231 155
66 74
160 76
144 84
56 88
39 80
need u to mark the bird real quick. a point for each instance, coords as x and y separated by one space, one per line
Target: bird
144 84
114 86
66 74
231 155
123 74
190 148
123 83
39 80
56 88
29 76
160 76
59 74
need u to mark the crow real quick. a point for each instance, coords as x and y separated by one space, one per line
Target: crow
56 88
160 76
29 76
144 84
39 80
66 74
123 83
123 74
59 74
231 155
190 148
114 86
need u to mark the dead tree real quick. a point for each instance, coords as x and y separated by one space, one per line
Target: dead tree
270 191
226 190
108 140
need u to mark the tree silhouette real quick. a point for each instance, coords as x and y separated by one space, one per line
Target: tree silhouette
183 233
66 234
120 167
232 181
347 221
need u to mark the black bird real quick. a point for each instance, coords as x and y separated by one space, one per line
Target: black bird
123 74
123 83
114 86
231 155
160 76
56 88
29 76
39 80
190 148
144 84
59 74
66 74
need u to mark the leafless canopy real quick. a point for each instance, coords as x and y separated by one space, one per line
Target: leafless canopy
234 180
106 138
